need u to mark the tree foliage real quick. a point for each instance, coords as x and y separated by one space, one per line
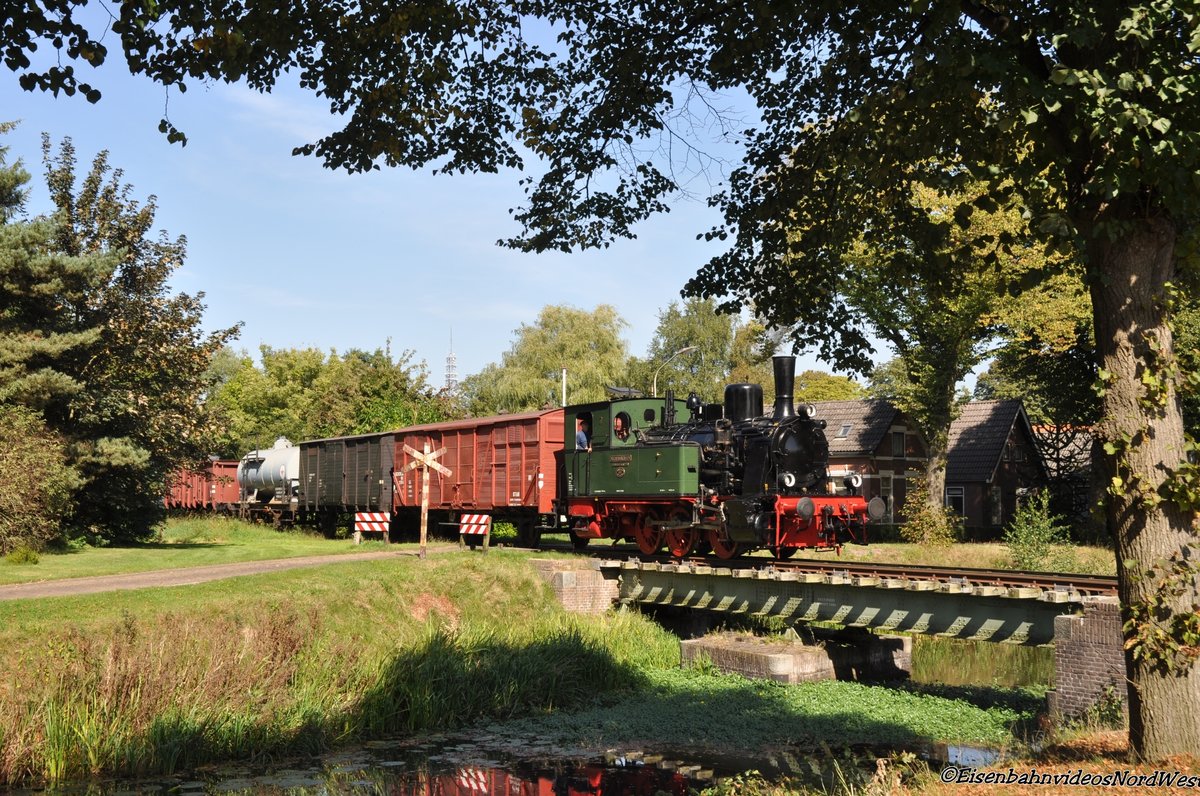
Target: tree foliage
92 340
817 385
306 394
36 501
44 294
529 376
705 371
139 413
935 289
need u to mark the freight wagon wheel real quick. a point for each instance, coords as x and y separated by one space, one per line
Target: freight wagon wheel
649 533
723 547
681 541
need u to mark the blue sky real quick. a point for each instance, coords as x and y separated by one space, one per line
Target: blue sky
304 256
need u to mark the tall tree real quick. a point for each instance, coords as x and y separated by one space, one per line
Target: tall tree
817 385
305 394
933 289
587 344
1087 110
360 392
750 356
139 411
44 294
695 324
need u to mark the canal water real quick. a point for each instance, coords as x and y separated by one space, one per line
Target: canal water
449 766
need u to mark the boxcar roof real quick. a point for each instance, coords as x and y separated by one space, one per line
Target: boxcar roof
450 425
442 426
348 436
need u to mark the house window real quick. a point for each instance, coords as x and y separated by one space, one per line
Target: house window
898 444
885 492
956 500
844 431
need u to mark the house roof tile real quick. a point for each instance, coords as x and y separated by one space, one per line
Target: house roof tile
977 439
868 421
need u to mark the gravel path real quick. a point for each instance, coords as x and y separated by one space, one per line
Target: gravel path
189 575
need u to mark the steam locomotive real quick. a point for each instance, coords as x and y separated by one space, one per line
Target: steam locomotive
729 479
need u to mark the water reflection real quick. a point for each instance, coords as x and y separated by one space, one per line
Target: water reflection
617 777
453 767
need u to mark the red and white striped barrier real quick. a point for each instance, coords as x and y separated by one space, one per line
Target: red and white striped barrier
475 524
371 521
474 780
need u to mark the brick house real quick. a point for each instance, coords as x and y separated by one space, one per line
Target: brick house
992 461
874 439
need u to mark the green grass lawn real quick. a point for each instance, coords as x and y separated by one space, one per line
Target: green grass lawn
190 542
982 555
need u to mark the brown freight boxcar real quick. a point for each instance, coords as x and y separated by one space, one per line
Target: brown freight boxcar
504 466
210 487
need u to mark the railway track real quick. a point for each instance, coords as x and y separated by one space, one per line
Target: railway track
966 576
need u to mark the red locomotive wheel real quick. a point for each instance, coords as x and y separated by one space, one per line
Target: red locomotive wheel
681 541
784 552
722 547
648 534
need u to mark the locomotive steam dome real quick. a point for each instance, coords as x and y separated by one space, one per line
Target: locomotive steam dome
743 402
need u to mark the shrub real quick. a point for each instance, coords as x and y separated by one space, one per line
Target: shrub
935 526
38 482
22 555
1032 534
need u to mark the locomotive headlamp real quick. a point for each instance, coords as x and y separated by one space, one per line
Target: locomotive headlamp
852 481
788 480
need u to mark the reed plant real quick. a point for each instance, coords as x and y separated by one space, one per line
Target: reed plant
295 663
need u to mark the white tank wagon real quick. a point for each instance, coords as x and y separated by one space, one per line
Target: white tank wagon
269 482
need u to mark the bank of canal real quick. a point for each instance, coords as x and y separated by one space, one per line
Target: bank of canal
164 681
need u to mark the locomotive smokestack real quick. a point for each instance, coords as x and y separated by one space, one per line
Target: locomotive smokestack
785 382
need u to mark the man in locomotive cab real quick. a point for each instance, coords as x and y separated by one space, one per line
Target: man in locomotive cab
583 437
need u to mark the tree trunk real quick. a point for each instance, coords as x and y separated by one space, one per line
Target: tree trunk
935 468
1127 280
937 415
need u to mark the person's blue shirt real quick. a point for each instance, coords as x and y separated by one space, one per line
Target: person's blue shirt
581 440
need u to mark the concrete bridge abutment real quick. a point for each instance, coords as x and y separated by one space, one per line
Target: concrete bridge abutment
1086 631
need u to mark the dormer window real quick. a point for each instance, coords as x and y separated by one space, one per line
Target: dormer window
844 431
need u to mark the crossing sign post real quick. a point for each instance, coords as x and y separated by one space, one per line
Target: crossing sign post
426 460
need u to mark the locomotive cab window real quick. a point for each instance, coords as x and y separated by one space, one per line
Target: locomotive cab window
621 430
